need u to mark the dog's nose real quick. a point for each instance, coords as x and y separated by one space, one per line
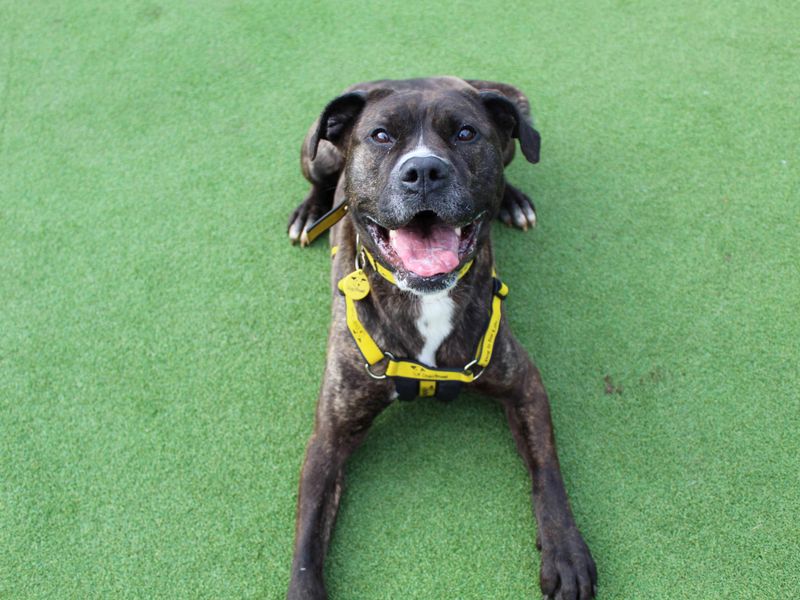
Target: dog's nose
423 174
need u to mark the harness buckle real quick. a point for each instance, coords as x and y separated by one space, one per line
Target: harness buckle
388 355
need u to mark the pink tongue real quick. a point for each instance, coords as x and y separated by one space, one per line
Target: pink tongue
428 252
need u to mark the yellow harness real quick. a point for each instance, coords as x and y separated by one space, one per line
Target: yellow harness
411 378
326 221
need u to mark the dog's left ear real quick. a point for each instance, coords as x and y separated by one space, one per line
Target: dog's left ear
337 119
508 118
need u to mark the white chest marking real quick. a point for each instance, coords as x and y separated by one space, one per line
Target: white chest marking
434 324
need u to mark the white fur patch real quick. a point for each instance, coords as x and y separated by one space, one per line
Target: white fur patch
420 150
435 322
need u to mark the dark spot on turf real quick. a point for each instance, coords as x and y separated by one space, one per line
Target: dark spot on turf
610 387
654 376
151 13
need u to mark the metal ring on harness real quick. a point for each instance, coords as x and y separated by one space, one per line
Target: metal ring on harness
468 369
360 255
388 355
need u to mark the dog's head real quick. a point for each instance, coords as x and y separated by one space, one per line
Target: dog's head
424 171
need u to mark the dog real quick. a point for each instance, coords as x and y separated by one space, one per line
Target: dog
408 176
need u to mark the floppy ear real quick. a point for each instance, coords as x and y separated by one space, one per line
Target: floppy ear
509 119
337 119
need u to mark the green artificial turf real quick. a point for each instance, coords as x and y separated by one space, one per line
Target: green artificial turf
161 344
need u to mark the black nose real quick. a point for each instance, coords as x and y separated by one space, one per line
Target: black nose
423 174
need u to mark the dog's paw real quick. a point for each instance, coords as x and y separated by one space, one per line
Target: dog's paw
318 201
568 571
517 209
304 216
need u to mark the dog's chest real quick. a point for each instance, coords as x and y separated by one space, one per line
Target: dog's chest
435 322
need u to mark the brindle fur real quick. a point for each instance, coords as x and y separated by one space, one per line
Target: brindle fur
324 168
350 400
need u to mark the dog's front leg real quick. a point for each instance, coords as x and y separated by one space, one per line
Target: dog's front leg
567 568
320 489
340 427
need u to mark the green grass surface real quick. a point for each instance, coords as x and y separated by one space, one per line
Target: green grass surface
161 344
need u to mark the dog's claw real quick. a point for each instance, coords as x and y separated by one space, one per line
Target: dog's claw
519 218
294 231
530 214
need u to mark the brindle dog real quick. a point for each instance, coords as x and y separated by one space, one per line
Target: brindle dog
420 163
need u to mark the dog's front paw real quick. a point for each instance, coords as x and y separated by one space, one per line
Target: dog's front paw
517 209
316 204
568 571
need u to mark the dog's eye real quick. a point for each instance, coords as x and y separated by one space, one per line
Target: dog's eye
466 134
380 136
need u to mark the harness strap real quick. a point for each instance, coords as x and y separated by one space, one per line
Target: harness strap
430 381
355 286
326 221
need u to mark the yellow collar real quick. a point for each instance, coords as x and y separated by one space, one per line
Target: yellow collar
389 276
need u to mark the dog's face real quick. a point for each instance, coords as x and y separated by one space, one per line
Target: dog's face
423 173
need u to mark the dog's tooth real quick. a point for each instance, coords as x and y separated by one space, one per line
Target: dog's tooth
458 231
392 233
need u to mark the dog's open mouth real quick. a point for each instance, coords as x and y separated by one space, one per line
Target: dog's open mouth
426 246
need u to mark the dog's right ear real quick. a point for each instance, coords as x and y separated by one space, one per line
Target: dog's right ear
337 120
